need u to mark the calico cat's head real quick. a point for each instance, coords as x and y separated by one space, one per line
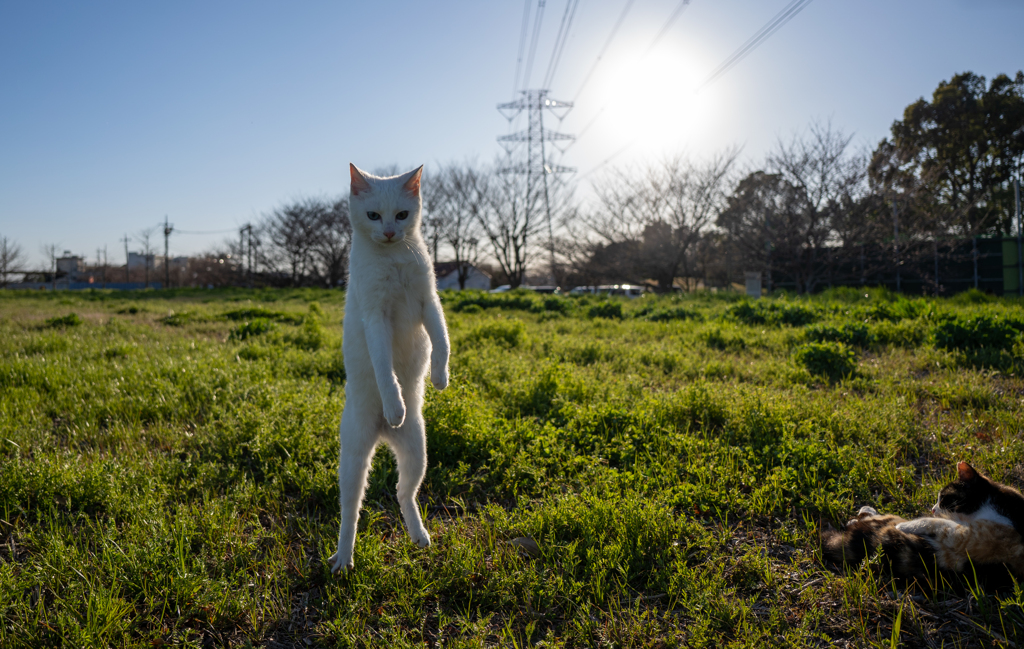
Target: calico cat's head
385 210
973 496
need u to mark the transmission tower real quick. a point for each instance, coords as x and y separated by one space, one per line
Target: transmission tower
536 165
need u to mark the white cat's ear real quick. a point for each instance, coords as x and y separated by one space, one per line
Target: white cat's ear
412 183
966 471
359 183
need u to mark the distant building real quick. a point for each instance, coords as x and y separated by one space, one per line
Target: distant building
136 260
448 277
69 264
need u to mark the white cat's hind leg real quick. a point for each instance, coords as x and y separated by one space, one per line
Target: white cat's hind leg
359 435
409 444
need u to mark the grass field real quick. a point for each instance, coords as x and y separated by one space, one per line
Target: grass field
168 459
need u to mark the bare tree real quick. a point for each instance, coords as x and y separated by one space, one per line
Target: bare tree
828 179
291 233
50 253
512 218
458 198
657 214
11 256
145 237
332 241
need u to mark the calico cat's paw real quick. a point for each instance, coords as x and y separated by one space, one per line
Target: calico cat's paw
338 566
439 376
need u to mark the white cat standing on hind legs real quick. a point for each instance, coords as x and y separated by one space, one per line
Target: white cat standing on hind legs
393 326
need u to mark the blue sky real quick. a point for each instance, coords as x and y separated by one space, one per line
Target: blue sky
114 114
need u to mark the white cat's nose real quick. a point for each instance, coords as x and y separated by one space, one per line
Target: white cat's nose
389 235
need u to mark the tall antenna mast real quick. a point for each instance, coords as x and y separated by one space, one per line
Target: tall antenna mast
536 165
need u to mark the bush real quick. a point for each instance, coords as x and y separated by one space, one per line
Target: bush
758 313
69 320
980 332
608 309
830 359
255 327
666 315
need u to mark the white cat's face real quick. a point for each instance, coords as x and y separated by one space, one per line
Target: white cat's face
385 210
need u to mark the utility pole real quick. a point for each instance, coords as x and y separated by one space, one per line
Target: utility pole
896 243
535 102
104 265
249 230
167 265
127 271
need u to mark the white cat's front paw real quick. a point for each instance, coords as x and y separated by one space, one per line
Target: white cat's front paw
394 411
421 538
338 565
439 376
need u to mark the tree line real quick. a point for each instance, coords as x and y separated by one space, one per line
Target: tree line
813 209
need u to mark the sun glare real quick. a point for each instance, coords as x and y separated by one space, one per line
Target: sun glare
651 104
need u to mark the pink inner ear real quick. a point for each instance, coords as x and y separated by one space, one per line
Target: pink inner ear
359 184
413 184
965 471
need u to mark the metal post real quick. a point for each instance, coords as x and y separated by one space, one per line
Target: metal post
167 266
127 272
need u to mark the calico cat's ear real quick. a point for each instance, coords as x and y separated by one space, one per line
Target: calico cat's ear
966 471
412 184
359 183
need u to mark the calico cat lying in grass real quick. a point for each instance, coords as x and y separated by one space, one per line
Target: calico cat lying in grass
976 531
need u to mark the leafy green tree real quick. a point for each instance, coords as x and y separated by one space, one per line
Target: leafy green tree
951 160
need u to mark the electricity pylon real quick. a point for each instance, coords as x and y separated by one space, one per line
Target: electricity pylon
536 165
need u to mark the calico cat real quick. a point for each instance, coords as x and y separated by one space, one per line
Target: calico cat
977 524
393 328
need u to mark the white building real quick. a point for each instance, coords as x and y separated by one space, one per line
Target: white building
448 277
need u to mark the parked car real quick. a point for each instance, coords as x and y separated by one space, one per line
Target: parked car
536 289
632 291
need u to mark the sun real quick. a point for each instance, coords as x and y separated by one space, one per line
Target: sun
648 101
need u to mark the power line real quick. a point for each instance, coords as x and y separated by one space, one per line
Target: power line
607 160
604 48
560 39
772 26
664 29
537 19
204 231
522 44
668 23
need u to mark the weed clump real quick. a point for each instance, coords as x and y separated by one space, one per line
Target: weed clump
830 359
761 313
506 333
255 327
64 321
855 334
978 332
610 310
181 319
654 314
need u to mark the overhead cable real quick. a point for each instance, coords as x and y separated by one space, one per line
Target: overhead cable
604 48
772 26
560 39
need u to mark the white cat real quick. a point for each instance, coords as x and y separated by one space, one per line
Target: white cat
393 325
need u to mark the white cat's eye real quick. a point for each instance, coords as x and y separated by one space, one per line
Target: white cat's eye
373 216
403 215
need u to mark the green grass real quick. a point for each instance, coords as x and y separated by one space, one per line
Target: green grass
168 459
